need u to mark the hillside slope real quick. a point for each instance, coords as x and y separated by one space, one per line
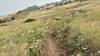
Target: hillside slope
68 30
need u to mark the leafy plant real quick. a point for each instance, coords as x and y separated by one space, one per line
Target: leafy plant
34 52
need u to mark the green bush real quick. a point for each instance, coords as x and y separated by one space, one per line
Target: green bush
13 18
34 52
29 20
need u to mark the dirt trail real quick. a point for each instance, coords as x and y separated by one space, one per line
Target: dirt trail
50 48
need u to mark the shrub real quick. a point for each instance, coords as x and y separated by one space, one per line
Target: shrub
34 52
13 18
29 20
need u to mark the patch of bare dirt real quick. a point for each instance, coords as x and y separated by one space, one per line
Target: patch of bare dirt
50 48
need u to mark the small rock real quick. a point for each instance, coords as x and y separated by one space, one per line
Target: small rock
98 52
79 54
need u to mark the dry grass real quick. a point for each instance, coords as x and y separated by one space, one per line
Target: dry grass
15 37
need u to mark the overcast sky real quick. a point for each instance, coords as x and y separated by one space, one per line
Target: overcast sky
11 6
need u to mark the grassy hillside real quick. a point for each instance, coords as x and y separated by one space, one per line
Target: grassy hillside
71 29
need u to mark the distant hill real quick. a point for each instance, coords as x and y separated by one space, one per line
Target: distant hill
28 9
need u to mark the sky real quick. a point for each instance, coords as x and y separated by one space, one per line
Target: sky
12 6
